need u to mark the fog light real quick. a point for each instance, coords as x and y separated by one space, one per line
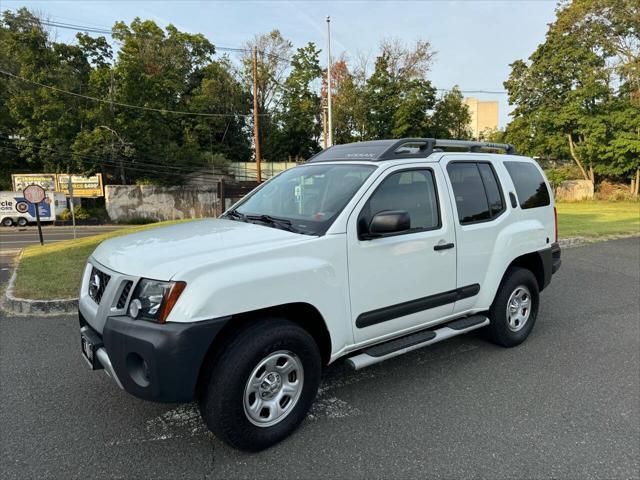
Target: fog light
134 307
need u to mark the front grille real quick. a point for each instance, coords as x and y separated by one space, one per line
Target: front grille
97 284
122 300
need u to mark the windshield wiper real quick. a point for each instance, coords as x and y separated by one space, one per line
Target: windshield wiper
282 223
234 214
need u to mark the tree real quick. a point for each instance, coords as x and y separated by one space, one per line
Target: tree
451 116
574 97
274 55
221 91
44 121
348 102
299 117
407 62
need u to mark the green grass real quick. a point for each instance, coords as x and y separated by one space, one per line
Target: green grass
55 270
598 218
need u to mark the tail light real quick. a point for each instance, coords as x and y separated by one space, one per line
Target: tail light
555 221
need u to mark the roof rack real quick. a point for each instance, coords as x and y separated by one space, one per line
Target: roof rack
378 150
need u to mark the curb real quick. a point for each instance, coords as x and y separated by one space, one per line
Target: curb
571 242
26 306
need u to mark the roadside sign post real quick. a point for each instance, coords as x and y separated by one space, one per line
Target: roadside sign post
73 211
34 194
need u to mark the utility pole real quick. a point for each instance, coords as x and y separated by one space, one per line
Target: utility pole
324 125
71 205
256 125
330 122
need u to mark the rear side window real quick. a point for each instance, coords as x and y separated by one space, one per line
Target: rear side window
476 190
491 186
530 187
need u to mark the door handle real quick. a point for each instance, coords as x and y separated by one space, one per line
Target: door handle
443 246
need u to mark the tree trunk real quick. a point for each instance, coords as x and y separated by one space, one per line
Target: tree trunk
576 159
591 175
637 190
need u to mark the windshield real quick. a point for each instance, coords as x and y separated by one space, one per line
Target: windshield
305 199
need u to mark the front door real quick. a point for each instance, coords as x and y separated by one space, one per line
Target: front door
402 280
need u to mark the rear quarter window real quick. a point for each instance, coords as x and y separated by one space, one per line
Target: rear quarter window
530 185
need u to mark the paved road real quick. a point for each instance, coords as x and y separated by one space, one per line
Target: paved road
562 405
6 261
16 237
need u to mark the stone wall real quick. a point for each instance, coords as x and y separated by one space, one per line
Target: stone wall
573 190
125 202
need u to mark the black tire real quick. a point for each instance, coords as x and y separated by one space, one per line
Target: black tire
221 398
22 222
7 222
498 330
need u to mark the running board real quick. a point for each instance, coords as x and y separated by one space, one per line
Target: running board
393 348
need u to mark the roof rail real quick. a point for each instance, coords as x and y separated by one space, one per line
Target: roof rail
426 146
377 150
474 146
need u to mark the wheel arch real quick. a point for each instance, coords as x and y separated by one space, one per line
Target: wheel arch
533 262
303 314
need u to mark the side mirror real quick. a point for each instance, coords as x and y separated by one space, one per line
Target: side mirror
384 223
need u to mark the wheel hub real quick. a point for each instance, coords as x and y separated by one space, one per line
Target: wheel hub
518 308
273 388
271 384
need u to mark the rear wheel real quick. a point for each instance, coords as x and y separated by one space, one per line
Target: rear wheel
22 222
7 222
515 308
260 386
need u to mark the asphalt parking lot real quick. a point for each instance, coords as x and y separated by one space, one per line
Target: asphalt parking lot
565 404
20 237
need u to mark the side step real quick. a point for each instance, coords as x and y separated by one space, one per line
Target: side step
413 341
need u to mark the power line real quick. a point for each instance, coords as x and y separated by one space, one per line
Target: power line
106 31
120 104
141 165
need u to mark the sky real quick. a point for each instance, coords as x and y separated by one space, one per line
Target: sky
475 41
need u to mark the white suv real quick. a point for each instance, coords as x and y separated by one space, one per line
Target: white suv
367 251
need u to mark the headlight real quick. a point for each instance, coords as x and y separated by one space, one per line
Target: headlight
153 300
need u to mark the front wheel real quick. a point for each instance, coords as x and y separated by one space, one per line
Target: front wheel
22 222
515 308
7 222
261 385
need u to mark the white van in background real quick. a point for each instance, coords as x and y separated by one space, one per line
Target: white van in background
15 210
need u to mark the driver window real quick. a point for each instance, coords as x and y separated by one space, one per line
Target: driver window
413 191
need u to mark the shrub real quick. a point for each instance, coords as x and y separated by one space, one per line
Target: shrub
65 215
557 175
142 182
137 221
81 213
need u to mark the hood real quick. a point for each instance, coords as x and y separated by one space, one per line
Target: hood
160 253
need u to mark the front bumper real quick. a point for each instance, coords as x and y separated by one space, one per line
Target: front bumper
159 362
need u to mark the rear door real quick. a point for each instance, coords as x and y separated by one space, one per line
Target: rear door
399 282
480 214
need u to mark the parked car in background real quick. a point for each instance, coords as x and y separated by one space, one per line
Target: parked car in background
367 251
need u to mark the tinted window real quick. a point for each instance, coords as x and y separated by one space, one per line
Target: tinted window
468 189
530 187
412 191
492 187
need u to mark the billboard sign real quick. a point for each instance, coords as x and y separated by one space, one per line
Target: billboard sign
23 180
82 186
